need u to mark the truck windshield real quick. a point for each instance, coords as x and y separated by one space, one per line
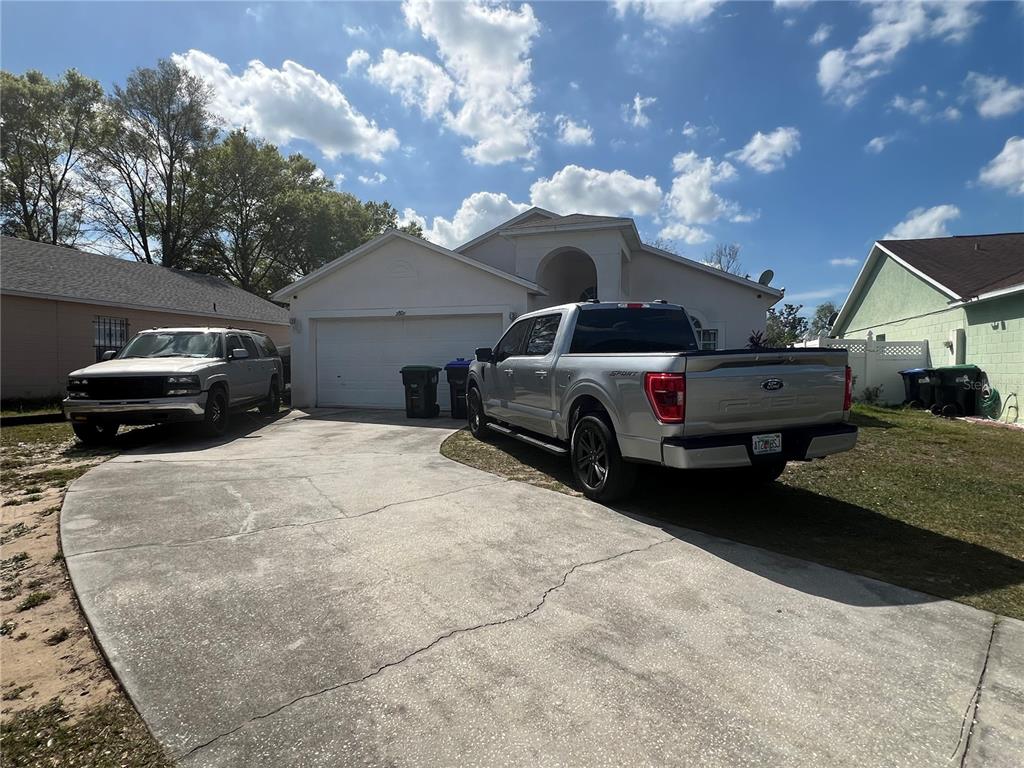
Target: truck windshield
605 330
173 344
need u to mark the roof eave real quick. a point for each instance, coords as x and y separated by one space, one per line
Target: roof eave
751 284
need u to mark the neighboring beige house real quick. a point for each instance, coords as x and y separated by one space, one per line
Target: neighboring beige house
61 309
400 300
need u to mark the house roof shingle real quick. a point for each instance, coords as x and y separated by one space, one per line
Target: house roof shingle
572 218
65 273
968 265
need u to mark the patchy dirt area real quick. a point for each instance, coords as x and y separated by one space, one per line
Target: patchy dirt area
60 704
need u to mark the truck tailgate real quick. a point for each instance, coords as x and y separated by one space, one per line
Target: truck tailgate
745 391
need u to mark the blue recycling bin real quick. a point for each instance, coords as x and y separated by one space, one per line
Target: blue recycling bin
457 373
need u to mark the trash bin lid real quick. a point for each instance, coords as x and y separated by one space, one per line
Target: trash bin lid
913 371
459 362
420 369
962 367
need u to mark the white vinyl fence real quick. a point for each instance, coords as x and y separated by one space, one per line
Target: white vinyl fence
878 363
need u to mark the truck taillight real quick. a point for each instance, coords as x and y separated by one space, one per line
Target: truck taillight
848 394
667 393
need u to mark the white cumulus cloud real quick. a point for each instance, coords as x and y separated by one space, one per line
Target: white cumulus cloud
292 102
924 222
923 109
478 213
693 201
767 152
572 133
995 96
373 179
821 34
668 14
356 60
1006 170
485 51
843 74
417 80
847 262
604 193
878 144
633 112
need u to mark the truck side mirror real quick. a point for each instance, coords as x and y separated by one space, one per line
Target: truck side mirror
485 355
108 354
239 354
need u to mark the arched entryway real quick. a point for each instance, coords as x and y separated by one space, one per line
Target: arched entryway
567 274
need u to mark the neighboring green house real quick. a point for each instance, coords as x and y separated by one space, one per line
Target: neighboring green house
963 295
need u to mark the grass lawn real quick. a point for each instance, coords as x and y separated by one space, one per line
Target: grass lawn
923 502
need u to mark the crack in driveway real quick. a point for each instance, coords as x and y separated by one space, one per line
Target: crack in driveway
255 531
423 649
971 713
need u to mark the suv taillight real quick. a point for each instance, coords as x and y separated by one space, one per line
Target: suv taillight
667 393
848 395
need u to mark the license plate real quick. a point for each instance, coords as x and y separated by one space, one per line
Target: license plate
768 443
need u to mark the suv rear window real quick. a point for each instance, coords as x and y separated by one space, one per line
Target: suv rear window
632 330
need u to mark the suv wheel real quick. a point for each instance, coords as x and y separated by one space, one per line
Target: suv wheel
215 419
600 471
475 412
272 404
95 433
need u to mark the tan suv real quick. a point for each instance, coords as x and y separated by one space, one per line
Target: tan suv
175 374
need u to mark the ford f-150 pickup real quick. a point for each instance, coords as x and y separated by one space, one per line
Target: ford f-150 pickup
616 384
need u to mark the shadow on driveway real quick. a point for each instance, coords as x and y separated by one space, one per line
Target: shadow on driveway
795 522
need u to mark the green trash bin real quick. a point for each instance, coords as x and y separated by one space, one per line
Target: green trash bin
958 390
420 383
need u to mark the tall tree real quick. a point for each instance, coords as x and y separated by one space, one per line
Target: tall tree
382 216
820 321
726 257
147 170
47 125
784 327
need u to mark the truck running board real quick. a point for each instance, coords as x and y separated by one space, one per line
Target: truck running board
552 448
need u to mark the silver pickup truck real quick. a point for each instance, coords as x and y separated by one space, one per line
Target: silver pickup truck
175 374
616 384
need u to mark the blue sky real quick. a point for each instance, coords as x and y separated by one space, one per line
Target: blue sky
802 131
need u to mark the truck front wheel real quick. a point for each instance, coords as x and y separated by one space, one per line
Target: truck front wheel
95 432
600 471
475 412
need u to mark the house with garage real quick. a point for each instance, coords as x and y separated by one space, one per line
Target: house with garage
63 308
400 300
963 295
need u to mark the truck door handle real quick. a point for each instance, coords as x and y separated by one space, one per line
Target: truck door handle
542 374
509 371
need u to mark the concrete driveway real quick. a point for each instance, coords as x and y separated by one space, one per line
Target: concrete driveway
328 590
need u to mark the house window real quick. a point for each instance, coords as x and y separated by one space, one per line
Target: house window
707 338
109 333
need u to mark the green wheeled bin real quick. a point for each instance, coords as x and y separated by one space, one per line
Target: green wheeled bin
420 383
958 390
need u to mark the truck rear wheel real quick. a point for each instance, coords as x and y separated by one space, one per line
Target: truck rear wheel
600 471
95 432
765 473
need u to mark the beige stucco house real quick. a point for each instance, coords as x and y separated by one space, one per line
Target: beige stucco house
60 308
399 300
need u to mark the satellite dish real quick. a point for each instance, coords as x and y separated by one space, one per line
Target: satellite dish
832 319
766 277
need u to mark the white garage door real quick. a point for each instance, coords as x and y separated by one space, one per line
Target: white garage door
359 359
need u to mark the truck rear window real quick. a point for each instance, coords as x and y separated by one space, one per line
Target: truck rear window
632 330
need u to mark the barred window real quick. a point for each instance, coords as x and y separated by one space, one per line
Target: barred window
109 333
